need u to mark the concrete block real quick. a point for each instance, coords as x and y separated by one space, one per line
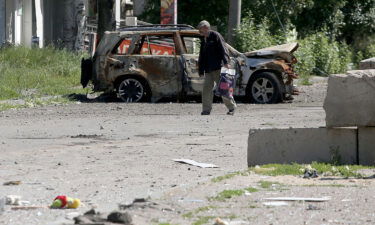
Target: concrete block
366 146
350 99
302 145
367 64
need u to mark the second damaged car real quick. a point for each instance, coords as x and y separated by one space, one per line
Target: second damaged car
147 63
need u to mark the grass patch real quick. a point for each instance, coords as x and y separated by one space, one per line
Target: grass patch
30 103
6 106
321 168
203 220
229 175
227 194
198 210
305 80
266 184
33 72
251 189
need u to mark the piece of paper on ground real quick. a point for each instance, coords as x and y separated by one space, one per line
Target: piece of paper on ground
194 163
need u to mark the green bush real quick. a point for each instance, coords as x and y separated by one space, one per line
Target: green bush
317 54
27 72
321 56
251 36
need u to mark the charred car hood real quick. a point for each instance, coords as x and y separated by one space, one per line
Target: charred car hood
284 51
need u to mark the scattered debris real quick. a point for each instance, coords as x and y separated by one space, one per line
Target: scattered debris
279 203
139 203
190 200
310 173
63 201
194 163
12 200
323 199
86 136
92 217
312 207
12 183
120 217
28 207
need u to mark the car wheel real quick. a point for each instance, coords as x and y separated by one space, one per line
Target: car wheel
264 88
132 90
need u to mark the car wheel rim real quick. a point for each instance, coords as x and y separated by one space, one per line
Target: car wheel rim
262 90
130 90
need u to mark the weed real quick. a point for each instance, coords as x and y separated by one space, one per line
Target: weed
229 175
251 189
188 215
321 168
227 194
335 156
305 80
198 210
6 106
278 169
203 220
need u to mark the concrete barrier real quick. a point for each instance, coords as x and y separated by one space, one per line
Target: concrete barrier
302 145
366 146
367 64
350 99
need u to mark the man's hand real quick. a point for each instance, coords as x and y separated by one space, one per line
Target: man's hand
227 66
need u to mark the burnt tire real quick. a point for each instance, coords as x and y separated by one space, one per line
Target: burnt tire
264 88
132 89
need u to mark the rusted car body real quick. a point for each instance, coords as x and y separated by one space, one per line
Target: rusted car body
149 63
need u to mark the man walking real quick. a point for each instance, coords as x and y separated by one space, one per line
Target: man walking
212 56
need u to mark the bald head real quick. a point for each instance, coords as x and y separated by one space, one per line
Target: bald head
203 23
204 28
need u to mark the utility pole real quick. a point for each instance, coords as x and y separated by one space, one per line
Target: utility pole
234 19
106 17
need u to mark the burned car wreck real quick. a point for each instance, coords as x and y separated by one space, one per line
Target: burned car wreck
147 63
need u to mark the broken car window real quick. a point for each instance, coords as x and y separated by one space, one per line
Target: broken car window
123 47
191 44
158 45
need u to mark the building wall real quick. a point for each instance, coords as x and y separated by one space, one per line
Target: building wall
2 21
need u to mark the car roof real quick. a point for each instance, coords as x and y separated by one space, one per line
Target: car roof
157 27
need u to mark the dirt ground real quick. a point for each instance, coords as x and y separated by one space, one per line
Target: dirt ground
108 154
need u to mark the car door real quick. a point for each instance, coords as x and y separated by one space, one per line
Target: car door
191 44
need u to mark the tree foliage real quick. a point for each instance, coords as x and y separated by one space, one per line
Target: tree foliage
350 22
192 12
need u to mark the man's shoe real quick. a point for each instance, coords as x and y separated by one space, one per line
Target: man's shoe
230 112
204 113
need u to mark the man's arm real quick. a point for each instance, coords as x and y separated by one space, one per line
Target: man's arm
223 50
200 60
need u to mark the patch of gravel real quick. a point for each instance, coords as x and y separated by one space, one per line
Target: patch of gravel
109 153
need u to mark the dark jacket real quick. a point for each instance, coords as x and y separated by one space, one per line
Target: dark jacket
213 53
